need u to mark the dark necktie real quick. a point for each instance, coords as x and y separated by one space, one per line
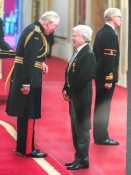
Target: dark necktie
71 60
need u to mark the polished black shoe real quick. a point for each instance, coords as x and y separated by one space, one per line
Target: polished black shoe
69 163
108 142
37 154
78 165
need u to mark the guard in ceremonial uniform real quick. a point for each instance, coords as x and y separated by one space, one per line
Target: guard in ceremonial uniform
106 50
24 99
6 51
3 44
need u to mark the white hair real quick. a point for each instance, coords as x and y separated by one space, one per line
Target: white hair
110 12
85 31
50 16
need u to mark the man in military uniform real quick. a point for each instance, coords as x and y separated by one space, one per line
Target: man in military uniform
106 50
24 99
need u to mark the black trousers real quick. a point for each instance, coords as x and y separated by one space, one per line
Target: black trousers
25 135
80 134
102 111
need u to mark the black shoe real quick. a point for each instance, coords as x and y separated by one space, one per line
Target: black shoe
36 154
69 163
78 165
108 142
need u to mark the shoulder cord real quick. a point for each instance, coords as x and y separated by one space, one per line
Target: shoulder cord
37 29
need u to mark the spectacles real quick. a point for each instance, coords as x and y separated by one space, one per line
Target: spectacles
76 35
118 17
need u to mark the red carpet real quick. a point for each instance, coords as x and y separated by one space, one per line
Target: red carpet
3 94
13 164
53 134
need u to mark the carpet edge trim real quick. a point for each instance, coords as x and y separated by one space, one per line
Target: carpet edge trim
41 162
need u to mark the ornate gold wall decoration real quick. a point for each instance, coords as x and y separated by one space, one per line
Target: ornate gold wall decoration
1 7
116 3
98 8
35 10
82 9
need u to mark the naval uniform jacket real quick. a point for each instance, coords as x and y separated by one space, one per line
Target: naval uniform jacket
30 54
78 82
106 50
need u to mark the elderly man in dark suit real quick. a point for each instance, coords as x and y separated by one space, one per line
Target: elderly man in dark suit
106 49
78 91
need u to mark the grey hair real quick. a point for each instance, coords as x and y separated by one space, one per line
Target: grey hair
85 31
110 12
50 16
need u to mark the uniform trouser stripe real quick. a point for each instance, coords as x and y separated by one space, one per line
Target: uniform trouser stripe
25 135
30 130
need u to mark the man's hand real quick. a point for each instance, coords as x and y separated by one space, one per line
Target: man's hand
108 85
45 69
65 96
25 90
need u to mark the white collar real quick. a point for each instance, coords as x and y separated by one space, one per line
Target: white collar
110 25
79 48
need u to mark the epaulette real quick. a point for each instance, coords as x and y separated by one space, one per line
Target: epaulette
37 29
